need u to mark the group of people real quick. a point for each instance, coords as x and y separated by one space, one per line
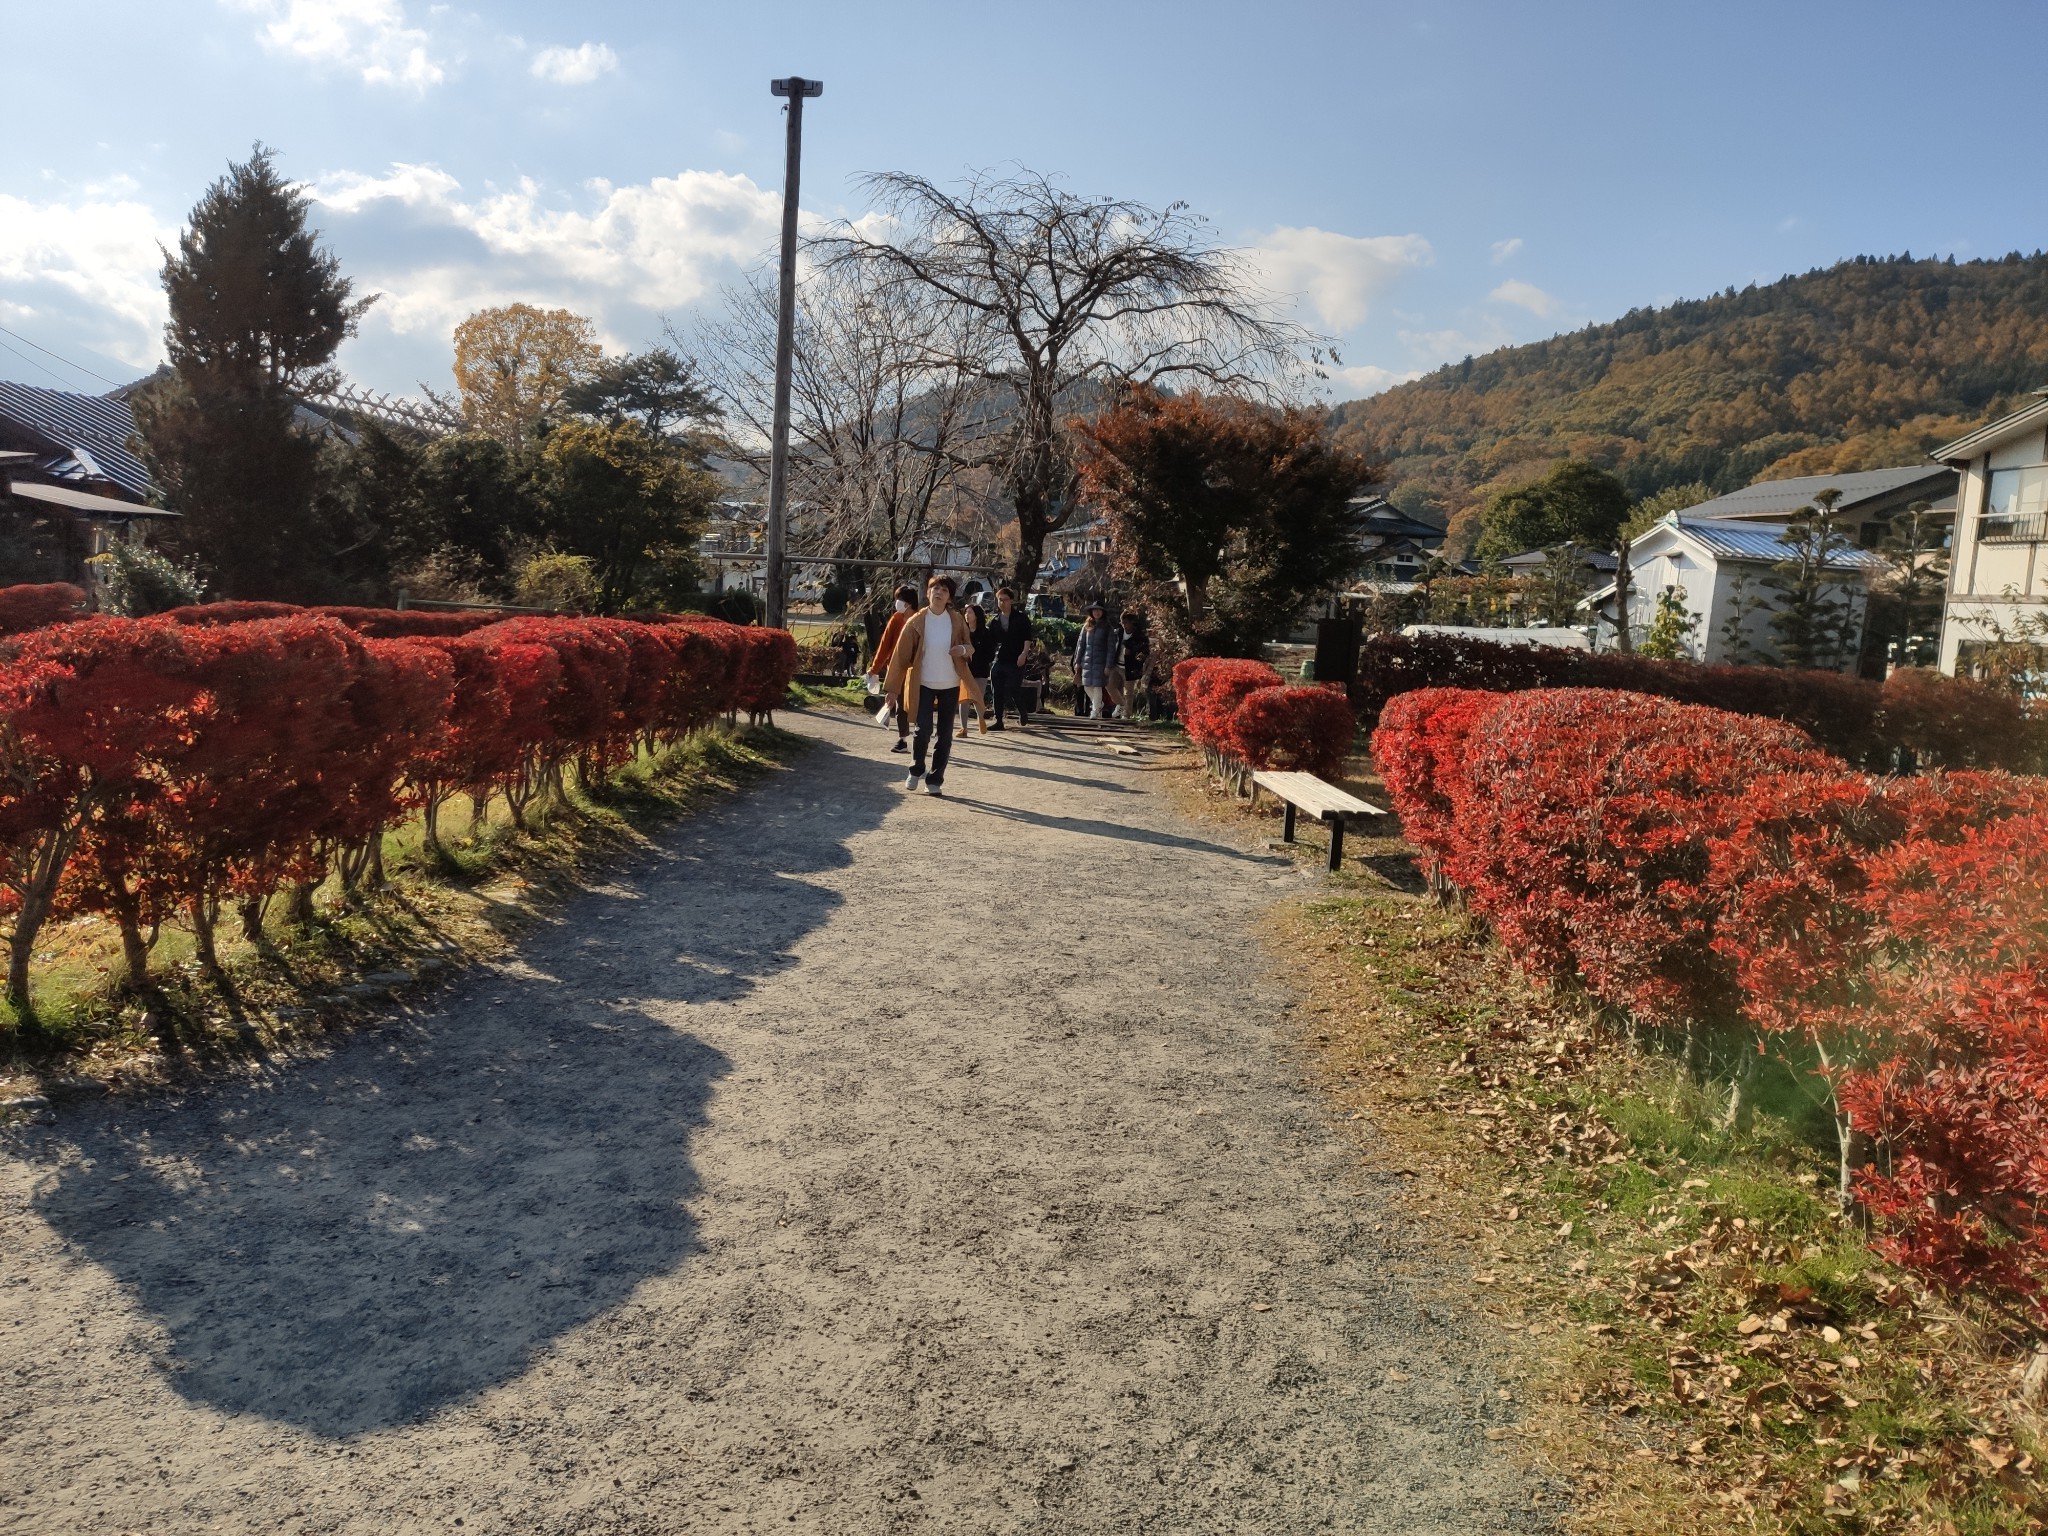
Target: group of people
1110 661
937 664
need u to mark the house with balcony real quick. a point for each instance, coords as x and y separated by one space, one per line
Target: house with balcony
1998 565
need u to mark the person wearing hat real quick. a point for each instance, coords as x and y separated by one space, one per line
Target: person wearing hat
1094 654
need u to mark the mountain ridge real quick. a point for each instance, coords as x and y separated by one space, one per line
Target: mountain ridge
1862 365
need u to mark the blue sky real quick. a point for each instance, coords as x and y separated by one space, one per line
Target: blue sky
1423 180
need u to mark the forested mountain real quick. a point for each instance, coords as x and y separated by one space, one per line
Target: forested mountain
1861 365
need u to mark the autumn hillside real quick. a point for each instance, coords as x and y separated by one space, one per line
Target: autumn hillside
1867 363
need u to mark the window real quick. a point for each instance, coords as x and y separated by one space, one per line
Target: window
2016 507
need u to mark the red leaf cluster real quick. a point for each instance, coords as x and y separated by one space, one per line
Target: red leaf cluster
1693 864
1939 719
159 766
1308 729
38 606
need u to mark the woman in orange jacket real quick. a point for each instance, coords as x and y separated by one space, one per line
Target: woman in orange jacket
885 648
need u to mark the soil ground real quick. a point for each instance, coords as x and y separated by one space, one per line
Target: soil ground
856 1162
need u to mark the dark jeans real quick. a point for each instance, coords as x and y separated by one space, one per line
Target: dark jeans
945 704
1009 688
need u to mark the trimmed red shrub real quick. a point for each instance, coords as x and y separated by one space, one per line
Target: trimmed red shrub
1307 729
1420 749
34 606
1208 691
1955 1095
1941 721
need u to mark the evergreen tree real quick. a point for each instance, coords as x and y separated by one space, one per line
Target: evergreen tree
1575 499
1918 555
1815 621
257 312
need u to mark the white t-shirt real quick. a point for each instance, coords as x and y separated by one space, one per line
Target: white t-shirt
937 669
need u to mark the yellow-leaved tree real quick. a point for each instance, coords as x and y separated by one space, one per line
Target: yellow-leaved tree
513 363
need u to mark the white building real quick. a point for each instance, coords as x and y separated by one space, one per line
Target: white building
1718 567
1998 571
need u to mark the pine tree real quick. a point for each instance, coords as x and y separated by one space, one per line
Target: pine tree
1815 622
257 312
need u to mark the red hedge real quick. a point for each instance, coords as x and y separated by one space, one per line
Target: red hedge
1687 862
156 766
1958 724
1307 729
36 607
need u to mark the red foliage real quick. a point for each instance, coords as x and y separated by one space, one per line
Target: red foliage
1683 862
149 767
1309 729
1209 690
32 607
1939 719
1956 1097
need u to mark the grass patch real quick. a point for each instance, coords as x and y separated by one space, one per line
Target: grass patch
1702 1337
283 991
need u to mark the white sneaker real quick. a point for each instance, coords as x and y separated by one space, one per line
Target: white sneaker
932 789
910 779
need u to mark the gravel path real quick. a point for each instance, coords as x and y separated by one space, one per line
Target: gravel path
857 1163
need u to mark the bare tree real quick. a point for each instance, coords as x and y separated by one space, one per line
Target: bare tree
887 405
1059 293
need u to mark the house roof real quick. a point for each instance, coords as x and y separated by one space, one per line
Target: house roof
89 432
1534 559
1782 498
85 501
1755 542
1967 447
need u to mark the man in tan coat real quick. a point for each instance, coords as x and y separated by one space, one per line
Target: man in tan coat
926 672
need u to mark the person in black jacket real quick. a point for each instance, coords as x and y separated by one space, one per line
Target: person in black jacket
1011 629
1133 655
974 695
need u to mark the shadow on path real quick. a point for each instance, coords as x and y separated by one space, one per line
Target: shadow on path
1091 828
360 1242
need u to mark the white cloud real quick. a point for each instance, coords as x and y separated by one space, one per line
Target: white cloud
1503 249
1527 295
574 66
369 36
651 247
1339 276
86 273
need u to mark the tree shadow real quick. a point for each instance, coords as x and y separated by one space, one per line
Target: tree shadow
1089 827
363 1241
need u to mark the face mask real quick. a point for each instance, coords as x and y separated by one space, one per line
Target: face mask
902 606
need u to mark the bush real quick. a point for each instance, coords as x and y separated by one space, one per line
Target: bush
140 582
1693 864
33 607
1308 729
161 766
1955 724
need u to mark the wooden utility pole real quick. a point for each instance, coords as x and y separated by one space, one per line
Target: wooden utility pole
796 88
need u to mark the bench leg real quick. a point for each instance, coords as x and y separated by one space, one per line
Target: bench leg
1287 824
1336 845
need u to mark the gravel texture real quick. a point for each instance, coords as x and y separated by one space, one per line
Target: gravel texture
858 1162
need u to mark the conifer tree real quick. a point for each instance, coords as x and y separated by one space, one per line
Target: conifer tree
258 310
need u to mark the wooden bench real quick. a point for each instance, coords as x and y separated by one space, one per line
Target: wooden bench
1326 802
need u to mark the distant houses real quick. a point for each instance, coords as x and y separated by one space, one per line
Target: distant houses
1998 568
70 484
1716 570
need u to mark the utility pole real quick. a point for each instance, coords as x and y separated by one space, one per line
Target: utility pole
796 88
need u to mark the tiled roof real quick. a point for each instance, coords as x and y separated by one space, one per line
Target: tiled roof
94 428
1781 498
1760 541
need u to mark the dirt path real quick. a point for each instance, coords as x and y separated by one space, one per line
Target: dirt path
860 1163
